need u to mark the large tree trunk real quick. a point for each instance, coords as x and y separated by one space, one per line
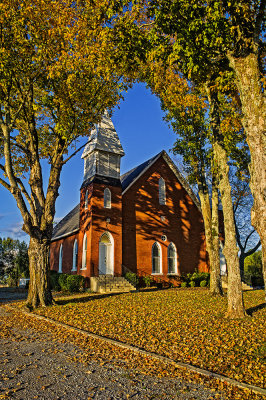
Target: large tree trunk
254 121
234 292
39 288
215 284
215 281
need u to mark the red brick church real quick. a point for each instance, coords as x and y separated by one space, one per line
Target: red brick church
146 221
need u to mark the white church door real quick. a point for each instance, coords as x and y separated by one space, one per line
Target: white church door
106 255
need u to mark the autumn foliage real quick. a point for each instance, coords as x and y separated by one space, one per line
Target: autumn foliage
186 325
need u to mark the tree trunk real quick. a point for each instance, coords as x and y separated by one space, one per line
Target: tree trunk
39 288
254 110
215 284
241 264
234 292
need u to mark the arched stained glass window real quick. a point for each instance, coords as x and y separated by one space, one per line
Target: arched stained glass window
60 265
86 199
162 195
156 259
171 258
75 256
107 198
84 252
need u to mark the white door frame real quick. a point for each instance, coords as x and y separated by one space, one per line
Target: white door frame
106 266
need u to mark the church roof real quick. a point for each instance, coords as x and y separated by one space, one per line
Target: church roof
131 176
70 223
104 138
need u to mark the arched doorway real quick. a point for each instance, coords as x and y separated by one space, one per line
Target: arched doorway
106 254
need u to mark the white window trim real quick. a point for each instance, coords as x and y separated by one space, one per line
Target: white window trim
162 191
86 199
74 258
160 252
107 204
84 253
60 264
175 259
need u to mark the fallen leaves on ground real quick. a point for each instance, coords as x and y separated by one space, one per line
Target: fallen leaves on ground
185 325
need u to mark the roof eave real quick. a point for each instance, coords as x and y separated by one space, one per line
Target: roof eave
142 172
64 235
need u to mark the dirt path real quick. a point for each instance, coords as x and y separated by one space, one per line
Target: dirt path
35 366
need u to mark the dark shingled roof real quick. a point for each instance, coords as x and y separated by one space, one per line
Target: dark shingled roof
68 224
133 174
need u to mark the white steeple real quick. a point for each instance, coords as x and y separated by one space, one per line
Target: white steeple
103 151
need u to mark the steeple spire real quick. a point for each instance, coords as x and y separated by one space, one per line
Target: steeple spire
103 151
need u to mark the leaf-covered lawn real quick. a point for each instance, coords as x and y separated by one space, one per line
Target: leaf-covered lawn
184 324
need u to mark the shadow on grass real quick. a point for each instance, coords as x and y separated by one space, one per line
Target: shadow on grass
96 296
250 311
84 299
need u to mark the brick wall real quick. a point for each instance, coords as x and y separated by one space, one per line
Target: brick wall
93 223
145 221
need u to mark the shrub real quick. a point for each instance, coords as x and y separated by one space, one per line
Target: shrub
192 284
184 284
54 284
74 283
132 278
197 277
62 281
147 280
203 283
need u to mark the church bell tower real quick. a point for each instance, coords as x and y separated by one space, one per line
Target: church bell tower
103 151
101 200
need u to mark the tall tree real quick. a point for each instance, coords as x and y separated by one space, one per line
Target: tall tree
203 35
186 109
14 261
58 73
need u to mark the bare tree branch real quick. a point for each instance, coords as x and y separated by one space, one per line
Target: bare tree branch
259 20
73 154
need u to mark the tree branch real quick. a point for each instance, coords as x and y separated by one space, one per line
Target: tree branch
73 154
238 237
259 20
248 253
5 184
247 238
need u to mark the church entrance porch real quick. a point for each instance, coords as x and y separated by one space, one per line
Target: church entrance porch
106 254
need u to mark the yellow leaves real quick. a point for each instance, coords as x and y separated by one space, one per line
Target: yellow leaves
184 325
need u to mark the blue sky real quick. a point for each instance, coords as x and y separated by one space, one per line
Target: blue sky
142 132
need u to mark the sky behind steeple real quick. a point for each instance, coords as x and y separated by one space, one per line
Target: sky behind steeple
139 124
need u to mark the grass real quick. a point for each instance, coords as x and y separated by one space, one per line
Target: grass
184 324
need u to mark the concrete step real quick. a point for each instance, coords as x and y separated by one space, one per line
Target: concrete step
110 284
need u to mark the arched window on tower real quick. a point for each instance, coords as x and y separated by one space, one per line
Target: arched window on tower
171 254
162 196
86 199
156 258
107 198
60 264
75 256
84 252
